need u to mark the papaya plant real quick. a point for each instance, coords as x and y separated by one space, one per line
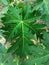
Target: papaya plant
26 27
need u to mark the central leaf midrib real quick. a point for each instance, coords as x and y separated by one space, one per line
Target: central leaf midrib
23 35
11 21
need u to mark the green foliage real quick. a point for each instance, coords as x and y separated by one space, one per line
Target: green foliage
25 28
5 58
